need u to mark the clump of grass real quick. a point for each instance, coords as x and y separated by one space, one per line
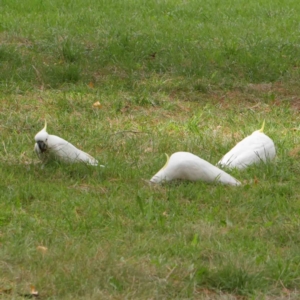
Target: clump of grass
70 52
57 75
231 279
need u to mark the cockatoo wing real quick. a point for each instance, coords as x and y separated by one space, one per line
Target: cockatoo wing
65 151
253 149
187 166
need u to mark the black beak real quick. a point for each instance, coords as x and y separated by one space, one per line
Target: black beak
42 146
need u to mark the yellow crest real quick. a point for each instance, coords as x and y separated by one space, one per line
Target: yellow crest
45 127
263 127
168 158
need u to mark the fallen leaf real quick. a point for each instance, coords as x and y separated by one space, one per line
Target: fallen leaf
42 249
33 291
97 104
91 85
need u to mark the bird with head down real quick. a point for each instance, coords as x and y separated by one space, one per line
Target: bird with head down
187 166
253 149
49 146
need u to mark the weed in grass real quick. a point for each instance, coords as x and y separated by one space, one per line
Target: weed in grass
70 52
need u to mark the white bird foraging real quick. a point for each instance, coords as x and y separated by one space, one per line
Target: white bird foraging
49 146
253 149
187 166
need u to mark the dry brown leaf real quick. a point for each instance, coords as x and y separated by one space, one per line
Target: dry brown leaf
97 104
42 249
33 291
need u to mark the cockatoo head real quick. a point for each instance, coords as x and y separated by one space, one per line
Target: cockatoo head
41 139
161 175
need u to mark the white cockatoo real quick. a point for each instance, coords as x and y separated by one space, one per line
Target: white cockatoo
51 146
187 166
253 149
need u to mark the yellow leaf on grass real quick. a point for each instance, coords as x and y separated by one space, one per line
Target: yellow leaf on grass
97 104
42 249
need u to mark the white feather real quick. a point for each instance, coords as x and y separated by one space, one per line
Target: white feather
253 149
60 149
187 166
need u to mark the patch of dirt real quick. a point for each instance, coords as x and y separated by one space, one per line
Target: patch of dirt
295 104
295 152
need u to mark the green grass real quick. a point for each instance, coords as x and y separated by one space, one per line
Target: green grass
51 44
170 76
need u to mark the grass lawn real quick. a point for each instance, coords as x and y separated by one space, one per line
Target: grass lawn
170 76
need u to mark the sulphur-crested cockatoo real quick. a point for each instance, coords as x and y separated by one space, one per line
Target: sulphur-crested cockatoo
253 149
187 166
49 146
